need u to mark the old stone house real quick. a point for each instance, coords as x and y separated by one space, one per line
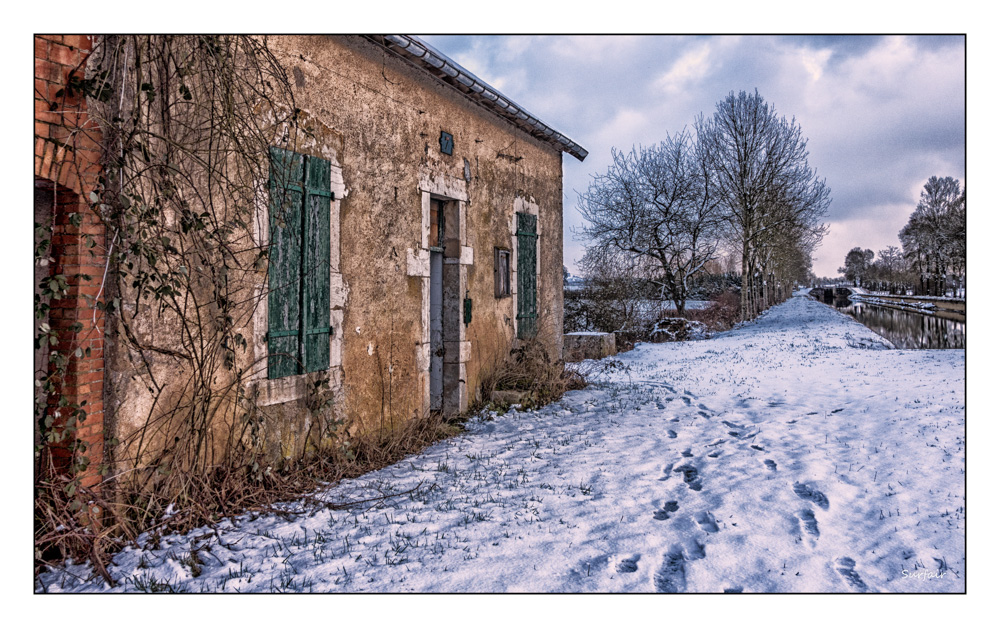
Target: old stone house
414 229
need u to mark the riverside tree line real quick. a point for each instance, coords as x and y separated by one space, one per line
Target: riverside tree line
739 187
932 258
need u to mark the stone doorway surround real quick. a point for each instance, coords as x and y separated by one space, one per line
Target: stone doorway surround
458 257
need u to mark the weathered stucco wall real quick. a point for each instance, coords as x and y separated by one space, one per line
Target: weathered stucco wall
378 120
390 116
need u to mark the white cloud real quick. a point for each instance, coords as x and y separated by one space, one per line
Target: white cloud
814 62
691 67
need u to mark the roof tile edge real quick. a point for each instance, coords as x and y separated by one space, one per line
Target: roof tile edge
419 53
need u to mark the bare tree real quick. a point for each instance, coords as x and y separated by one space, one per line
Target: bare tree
618 295
761 176
888 269
654 205
786 256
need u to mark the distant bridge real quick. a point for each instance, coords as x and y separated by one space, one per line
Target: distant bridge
828 294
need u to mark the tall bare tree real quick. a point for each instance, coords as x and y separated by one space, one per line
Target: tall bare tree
889 269
761 177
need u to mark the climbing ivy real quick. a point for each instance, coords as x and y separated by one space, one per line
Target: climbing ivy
186 123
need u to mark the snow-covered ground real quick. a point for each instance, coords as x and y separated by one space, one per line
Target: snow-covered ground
796 453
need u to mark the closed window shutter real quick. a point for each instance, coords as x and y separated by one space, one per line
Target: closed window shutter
284 264
527 279
298 329
316 267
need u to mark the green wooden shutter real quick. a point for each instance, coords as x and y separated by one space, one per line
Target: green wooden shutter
527 278
284 264
316 267
298 327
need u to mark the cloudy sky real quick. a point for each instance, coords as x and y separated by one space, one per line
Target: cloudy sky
882 113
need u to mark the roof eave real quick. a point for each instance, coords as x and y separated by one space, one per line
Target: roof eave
425 56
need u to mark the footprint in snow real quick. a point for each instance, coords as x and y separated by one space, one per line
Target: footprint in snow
809 524
714 454
664 513
695 550
707 522
686 400
666 472
811 494
628 565
669 578
704 414
687 453
845 567
671 434
757 447
771 464
690 476
736 589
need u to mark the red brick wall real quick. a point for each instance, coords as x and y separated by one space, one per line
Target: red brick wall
67 146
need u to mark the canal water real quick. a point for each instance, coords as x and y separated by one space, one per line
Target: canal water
907 329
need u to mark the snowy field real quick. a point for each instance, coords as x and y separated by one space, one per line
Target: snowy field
795 454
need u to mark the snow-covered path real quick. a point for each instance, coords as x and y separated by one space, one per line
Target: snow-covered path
796 453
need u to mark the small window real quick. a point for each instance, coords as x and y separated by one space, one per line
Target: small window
501 273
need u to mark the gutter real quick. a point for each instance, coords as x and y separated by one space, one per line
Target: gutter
420 53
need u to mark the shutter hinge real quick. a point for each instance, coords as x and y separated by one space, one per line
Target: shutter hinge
320 330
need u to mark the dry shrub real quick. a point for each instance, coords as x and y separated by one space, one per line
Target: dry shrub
379 448
107 524
529 376
722 314
676 329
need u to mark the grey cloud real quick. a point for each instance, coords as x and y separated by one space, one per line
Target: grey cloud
881 119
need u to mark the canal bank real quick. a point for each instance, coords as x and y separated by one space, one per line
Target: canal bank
907 322
938 305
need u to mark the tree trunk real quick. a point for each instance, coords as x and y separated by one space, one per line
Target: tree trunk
745 285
